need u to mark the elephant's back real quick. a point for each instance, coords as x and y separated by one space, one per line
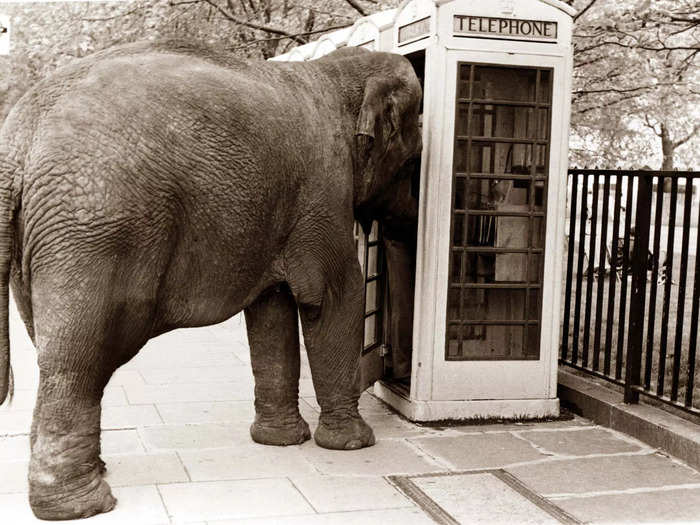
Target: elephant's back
159 151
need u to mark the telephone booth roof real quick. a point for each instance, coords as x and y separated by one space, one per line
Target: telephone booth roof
330 42
380 20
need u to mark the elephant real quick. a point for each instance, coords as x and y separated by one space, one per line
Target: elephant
162 185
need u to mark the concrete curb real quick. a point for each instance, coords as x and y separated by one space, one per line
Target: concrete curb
653 426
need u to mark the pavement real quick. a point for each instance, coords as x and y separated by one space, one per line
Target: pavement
175 439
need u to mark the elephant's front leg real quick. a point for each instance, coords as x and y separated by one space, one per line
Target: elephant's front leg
273 335
333 336
65 472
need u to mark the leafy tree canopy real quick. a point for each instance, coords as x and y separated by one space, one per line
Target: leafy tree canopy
636 98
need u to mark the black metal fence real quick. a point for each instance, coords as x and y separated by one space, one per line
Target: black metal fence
632 289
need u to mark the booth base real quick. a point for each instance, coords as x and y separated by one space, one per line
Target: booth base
478 410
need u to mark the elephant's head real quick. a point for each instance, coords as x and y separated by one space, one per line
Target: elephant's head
387 135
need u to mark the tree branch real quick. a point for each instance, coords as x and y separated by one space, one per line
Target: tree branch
120 15
357 7
603 106
306 33
582 11
253 25
651 125
618 90
690 135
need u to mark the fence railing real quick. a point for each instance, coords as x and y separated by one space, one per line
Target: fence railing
632 289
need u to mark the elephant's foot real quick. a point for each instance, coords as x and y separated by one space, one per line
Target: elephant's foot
344 434
72 502
294 433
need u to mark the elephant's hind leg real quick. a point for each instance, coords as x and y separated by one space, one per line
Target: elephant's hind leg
81 341
273 335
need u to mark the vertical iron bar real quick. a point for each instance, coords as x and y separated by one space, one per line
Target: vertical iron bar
682 280
569 266
579 268
692 345
623 284
667 286
658 224
601 273
613 275
589 275
635 337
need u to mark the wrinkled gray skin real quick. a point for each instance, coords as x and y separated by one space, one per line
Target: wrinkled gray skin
157 186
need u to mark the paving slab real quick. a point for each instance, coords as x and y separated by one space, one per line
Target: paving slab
185 392
14 447
481 498
595 474
662 506
206 435
15 421
346 493
233 499
580 442
386 426
386 457
180 355
245 462
478 451
207 412
124 377
140 505
366 517
129 416
121 442
144 469
197 374
13 476
25 398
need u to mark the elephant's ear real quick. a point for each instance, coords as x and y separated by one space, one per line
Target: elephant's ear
378 120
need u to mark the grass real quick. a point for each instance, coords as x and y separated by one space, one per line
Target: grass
659 333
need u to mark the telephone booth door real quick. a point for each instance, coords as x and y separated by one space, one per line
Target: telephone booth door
498 212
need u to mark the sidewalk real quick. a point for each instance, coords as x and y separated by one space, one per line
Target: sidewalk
176 443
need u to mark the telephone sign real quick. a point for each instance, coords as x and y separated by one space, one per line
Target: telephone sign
489 27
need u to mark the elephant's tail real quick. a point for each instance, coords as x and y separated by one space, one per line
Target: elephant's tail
6 214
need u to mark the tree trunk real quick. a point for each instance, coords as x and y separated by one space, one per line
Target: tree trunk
667 150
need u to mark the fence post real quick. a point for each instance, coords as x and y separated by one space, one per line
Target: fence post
635 334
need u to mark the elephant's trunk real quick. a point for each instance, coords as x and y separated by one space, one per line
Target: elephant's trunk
6 213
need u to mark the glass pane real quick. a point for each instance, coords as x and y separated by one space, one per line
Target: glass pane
463 84
460 202
493 342
538 232
458 230
532 351
545 94
374 232
542 124
361 247
371 302
372 260
455 266
533 305
505 83
370 330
